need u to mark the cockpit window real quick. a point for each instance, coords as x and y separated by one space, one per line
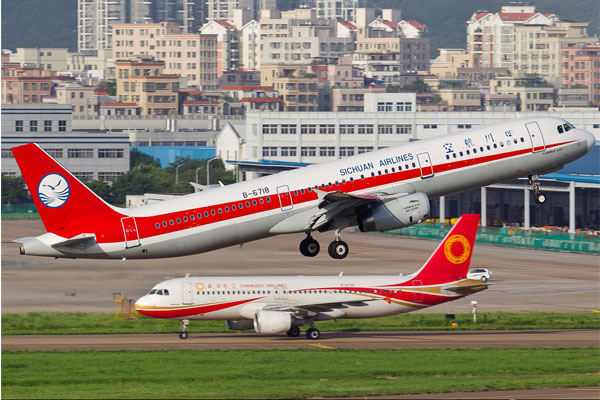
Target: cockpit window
560 129
166 292
568 127
152 291
159 292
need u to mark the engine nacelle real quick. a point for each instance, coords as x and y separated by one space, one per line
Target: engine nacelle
239 324
398 213
272 321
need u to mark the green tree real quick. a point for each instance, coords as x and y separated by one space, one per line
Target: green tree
102 189
137 158
14 190
110 86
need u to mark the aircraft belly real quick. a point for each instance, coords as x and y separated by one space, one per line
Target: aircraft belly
376 309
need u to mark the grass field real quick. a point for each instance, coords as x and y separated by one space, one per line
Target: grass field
99 323
290 373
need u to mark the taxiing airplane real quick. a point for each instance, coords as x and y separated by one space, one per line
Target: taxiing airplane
278 304
381 190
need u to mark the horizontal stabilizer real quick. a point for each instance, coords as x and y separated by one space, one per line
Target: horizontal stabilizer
80 242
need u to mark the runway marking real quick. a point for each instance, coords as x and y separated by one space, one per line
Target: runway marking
322 346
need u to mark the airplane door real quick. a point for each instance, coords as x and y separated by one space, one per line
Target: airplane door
417 296
535 134
285 198
186 293
132 238
425 164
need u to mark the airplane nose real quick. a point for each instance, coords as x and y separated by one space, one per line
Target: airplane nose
591 140
141 302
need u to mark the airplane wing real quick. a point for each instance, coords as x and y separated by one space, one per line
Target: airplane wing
314 308
341 204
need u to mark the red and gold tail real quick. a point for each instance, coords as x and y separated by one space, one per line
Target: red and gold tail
451 260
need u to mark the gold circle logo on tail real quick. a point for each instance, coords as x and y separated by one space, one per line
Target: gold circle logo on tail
451 250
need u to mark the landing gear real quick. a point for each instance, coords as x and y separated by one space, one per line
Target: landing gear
338 249
309 247
184 325
294 331
540 198
313 334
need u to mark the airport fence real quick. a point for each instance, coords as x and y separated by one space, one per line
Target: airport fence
19 211
511 236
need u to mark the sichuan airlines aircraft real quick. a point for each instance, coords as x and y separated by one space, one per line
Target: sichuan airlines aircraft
278 304
378 191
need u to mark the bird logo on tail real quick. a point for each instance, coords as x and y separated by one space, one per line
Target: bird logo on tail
53 190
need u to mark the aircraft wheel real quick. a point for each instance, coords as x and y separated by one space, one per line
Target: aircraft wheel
540 198
183 335
313 334
338 249
309 247
294 331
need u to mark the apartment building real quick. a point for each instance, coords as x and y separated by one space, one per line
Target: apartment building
336 9
143 83
400 44
189 55
533 93
538 47
82 100
250 51
228 44
297 85
44 58
492 36
224 9
28 85
581 68
96 17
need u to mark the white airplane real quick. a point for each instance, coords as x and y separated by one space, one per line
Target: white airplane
278 304
382 190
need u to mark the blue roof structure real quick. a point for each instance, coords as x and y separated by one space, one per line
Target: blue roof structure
168 154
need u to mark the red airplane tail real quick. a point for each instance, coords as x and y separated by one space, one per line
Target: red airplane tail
58 196
451 260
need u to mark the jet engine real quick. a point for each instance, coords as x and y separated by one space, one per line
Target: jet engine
272 321
239 325
398 213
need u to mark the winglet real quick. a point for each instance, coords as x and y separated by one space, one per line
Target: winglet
451 260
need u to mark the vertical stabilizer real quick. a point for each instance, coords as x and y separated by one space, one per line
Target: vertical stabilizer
451 260
58 196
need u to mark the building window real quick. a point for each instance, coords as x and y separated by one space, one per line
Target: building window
80 153
62 126
364 149
403 129
33 125
309 151
288 129
272 129
55 153
326 129
19 126
269 151
108 176
110 153
7 153
47 126
346 151
365 129
288 151
347 129
308 129
84 176
385 129
327 151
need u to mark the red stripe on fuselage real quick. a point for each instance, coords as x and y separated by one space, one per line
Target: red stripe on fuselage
109 230
186 312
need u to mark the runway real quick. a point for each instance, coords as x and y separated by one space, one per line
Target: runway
523 280
333 340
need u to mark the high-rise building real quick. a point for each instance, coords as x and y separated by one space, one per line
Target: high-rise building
336 9
95 18
223 9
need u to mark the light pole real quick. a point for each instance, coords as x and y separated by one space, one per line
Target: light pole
197 170
139 165
208 170
177 173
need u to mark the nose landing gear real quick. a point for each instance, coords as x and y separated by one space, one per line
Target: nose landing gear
540 198
184 326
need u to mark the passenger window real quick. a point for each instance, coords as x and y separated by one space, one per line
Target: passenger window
165 224
253 202
261 201
226 209
233 207
240 206
171 222
185 219
157 225
192 217
178 220
206 213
